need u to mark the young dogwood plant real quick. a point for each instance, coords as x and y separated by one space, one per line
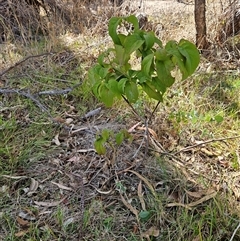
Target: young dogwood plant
114 75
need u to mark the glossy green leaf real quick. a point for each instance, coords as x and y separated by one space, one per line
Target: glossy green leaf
146 64
122 38
151 91
159 85
132 43
191 53
180 61
121 57
133 19
162 54
121 85
158 42
131 91
112 29
149 40
171 45
164 69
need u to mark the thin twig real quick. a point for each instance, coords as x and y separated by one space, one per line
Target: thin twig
28 95
22 61
205 142
35 100
133 109
154 110
58 92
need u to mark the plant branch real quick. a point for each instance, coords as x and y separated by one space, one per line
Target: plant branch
154 110
59 91
22 61
205 142
133 109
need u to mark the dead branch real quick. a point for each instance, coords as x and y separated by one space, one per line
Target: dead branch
205 142
58 92
24 60
25 94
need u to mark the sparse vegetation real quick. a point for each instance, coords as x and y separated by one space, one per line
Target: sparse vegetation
178 182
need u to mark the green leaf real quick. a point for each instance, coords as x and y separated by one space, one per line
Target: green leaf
133 19
162 54
191 53
113 86
99 146
122 38
131 91
149 40
164 69
158 42
112 29
103 57
97 72
95 89
132 43
218 118
93 75
121 56
121 85
105 134
119 138
106 95
159 85
151 91
172 44
145 215
146 64
179 59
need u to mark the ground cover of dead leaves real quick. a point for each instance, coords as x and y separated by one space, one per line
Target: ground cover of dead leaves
74 175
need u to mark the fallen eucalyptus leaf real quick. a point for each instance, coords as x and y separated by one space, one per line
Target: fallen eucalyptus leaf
33 187
50 204
62 186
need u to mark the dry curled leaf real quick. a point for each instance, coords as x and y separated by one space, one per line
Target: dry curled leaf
14 177
62 186
193 204
33 187
130 130
151 232
140 195
21 233
145 181
56 140
22 222
50 204
194 194
130 207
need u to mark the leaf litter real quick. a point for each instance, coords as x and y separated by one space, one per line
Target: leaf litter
75 175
